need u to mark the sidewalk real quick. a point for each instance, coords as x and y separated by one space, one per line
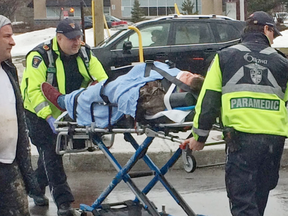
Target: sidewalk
159 151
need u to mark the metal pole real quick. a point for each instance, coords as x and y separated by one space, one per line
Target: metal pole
82 21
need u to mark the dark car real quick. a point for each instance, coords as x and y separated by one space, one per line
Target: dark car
88 23
190 41
112 22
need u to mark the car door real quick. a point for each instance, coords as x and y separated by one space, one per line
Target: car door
193 44
151 50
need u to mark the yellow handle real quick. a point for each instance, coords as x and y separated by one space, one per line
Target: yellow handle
106 26
141 58
176 8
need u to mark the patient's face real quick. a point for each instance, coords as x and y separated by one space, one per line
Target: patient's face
187 77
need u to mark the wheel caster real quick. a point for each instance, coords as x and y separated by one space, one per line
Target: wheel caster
190 165
189 160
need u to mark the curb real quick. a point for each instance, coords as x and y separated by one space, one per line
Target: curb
96 161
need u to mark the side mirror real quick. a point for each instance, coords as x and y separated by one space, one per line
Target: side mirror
127 46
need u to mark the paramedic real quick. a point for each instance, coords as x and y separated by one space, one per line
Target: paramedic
16 173
68 64
248 82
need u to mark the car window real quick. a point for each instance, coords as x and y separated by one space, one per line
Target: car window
227 32
192 33
111 18
148 36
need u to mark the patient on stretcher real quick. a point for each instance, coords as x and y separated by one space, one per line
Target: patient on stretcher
135 93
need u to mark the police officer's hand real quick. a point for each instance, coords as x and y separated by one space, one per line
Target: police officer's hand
193 144
51 121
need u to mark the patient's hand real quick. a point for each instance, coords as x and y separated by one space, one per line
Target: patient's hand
193 144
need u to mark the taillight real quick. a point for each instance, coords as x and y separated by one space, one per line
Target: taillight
114 24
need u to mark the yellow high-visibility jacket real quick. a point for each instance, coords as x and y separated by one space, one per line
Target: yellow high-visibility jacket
36 73
247 84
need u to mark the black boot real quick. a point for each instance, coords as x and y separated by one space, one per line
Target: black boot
65 209
40 200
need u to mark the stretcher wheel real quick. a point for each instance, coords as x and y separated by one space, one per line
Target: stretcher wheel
190 164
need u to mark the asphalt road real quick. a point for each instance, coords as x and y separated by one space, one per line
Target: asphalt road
203 190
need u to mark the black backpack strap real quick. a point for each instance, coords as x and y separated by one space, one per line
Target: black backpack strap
45 50
51 69
85 55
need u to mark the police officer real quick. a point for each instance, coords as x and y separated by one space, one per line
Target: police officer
67 64
247 83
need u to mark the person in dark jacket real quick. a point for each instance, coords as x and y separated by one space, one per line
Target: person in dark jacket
247 83
16 173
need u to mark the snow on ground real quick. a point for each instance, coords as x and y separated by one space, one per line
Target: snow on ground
281 41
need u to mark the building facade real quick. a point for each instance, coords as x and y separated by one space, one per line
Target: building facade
153 8
49 12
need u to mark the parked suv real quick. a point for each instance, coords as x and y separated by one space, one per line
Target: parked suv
190 41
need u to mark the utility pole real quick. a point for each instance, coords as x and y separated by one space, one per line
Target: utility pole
242 10
98 21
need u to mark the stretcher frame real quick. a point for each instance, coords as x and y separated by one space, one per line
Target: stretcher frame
93 134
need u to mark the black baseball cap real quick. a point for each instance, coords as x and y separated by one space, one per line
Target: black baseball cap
262 18
69 28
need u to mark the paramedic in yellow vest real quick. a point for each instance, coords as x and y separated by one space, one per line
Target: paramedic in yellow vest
67 64
247 84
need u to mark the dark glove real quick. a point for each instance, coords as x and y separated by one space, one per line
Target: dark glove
231 139
51 121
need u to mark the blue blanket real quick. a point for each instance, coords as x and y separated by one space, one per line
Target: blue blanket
123 91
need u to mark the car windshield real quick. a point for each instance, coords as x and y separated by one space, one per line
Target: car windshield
109 40
111 18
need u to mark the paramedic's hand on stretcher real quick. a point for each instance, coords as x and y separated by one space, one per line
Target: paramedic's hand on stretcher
51 121
193 144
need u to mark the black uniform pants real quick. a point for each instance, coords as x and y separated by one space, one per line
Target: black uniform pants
252 171
13 196
50 170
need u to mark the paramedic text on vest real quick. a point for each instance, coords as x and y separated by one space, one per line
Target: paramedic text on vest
68 64
247 84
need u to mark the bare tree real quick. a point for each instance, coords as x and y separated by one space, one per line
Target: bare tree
8 7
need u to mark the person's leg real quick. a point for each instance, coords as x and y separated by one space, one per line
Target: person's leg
31 120
268 174
242 175
61 101
13 198
57 180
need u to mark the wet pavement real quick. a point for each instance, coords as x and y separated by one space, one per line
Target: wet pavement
203 190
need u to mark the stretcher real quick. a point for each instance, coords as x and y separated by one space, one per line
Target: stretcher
91 138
